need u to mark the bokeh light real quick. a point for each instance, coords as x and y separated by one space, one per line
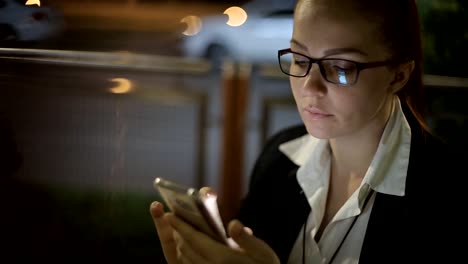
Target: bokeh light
194 25
237 16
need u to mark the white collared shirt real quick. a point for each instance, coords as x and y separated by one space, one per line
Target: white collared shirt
386 174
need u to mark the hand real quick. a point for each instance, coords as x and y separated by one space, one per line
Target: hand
165 232
183 244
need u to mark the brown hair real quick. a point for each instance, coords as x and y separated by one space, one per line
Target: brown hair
401 31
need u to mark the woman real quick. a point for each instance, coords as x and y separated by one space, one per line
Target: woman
359 182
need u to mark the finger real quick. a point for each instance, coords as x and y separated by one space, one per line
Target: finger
186 252
248 230
165 232
181 259
206 191
163 228
184 260
198 241
233 244
251 245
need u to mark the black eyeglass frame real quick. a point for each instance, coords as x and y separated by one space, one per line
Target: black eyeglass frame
359 65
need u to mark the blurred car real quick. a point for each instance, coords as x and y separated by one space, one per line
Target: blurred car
21 22
267 29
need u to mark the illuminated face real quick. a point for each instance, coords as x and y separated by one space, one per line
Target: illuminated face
330 110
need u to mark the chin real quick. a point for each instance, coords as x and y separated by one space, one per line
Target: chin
320 133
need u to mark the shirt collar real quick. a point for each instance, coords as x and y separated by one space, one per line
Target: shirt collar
391 157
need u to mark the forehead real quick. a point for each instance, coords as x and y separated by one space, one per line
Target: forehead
326 24
337 9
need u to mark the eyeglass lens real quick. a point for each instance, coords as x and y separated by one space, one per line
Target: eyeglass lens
340 72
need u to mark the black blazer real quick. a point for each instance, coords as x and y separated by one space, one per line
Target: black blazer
419 227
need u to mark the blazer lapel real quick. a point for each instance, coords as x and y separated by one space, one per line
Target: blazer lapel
384 240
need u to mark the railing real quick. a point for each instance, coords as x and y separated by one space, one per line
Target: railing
110 60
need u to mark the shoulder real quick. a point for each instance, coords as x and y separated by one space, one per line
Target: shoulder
284 135
430 150
271 159
273 187
436 175
435 186
427 148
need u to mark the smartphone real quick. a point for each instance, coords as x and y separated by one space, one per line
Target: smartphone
198 209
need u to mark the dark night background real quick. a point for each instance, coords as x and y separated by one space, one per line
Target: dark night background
64 223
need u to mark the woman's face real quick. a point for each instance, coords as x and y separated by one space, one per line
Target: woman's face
329 110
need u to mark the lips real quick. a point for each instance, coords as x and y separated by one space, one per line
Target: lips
315 113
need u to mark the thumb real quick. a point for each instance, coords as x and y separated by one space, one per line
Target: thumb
251 245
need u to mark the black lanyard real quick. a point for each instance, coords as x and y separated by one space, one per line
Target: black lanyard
369 195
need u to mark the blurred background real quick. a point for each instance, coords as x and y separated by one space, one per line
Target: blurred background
100 97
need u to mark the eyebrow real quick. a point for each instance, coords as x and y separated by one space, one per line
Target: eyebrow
332 51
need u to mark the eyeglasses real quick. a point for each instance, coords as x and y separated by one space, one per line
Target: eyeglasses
336 71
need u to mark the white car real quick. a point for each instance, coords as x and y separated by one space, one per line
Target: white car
266 30
21 22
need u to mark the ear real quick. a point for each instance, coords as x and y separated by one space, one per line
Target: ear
401 77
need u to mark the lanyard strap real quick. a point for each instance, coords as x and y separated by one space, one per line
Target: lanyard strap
369 195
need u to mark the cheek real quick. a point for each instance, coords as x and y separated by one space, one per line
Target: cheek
294 86
364 102
376 87
347 105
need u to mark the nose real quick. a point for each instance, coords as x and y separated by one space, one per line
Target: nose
313 84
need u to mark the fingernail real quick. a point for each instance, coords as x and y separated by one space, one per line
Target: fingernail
238 228
156 205
248 230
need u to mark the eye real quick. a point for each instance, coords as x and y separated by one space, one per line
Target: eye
342 70
300 61
344 65
341 66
